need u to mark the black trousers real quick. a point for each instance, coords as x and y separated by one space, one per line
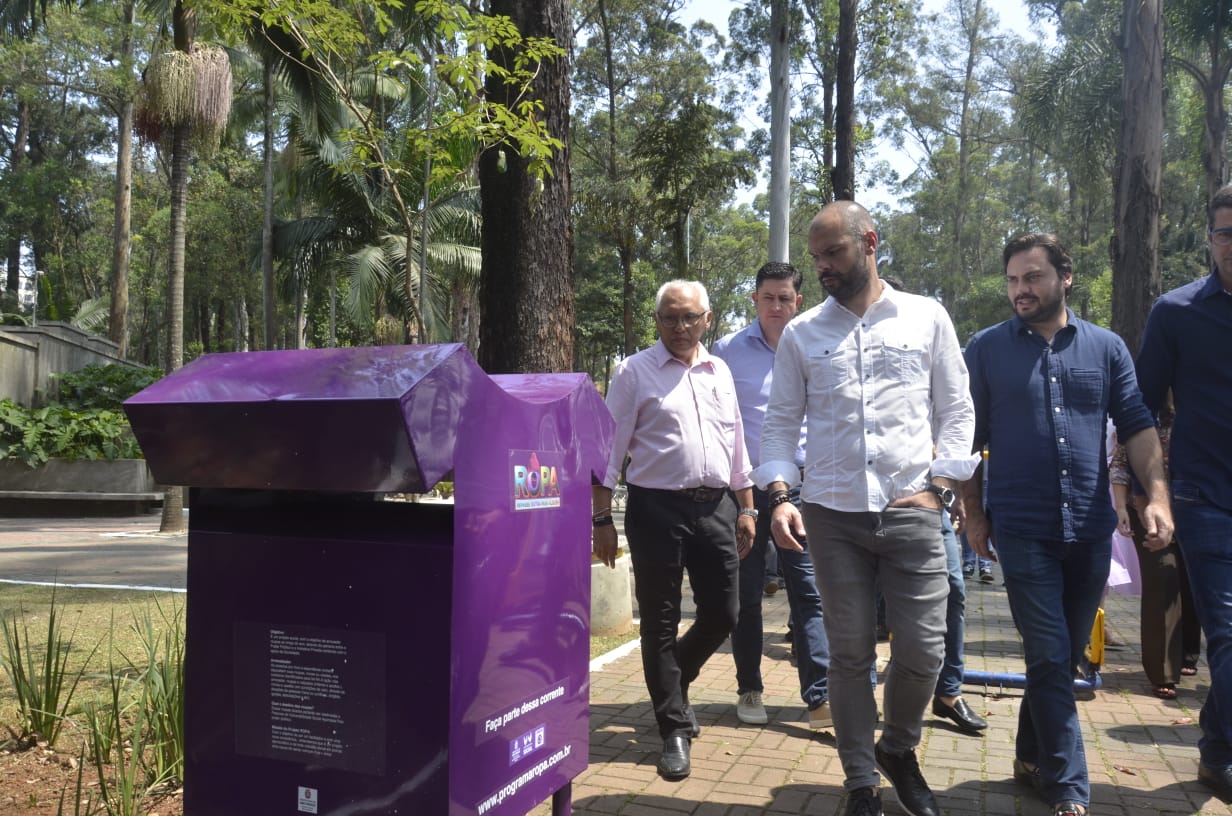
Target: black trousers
668 533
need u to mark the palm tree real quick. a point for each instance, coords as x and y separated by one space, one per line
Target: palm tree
188 90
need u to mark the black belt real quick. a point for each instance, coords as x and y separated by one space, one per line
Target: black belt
703 494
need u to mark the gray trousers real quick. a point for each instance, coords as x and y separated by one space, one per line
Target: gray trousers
904 550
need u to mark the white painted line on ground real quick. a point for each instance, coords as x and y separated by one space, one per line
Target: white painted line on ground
59 584
620 651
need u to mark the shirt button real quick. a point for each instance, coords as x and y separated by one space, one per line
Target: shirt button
1053 379
1064 472
1057 409
1065 504
1061 440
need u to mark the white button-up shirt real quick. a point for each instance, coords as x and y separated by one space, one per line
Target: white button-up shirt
879 393
680 424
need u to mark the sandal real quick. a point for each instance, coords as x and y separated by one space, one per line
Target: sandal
1188 670
1165 692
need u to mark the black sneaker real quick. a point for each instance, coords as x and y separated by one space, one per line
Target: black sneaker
986 574
903 771
863 802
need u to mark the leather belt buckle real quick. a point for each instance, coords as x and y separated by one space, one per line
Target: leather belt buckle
703 494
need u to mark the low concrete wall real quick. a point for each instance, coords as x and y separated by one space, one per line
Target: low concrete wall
29 355
64 476
611 599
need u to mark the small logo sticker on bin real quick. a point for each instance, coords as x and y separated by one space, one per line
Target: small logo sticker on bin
307 800
536 481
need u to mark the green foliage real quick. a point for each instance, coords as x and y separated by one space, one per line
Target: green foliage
35 435
115 752
41 679
103 387
162 693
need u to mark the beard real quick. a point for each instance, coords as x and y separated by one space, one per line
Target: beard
845 285
1040 309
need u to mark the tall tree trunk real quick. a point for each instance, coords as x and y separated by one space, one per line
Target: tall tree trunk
843 175
267 209
1215 130
16 160
624 233
173 498
780 130
974 26
121 234
526 286
1137 184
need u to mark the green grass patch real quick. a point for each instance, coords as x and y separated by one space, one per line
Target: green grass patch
96 618
603 644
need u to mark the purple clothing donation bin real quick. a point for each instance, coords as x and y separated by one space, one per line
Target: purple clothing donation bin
351 655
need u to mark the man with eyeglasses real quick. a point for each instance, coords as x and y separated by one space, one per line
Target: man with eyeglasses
749 353
1185 348
879 378
1044 384
689 507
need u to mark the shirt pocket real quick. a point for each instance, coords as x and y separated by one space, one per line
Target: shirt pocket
1085 388
903 361
724 407
829 368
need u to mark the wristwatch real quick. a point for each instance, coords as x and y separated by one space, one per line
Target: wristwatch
751 512
946 495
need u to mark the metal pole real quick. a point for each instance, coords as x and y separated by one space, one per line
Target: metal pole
34 317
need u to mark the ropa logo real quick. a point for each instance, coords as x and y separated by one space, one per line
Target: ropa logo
536 483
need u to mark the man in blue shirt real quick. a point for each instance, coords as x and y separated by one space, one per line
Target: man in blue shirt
1043 383
749 353
1185 348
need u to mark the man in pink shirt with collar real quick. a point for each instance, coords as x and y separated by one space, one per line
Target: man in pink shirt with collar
678 421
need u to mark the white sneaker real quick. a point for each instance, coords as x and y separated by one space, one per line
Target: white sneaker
750 710
819 718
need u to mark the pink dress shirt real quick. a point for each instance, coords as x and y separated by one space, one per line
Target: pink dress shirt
679 424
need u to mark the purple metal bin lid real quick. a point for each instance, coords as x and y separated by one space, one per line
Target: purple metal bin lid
367 419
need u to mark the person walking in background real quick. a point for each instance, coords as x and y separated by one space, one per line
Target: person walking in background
1170 634
879 377
1185 350
749 353
948 702
1043 383
678 421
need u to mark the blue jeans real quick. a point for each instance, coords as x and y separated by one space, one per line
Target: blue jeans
970 559
1205 535
808 623
949 682
1042 579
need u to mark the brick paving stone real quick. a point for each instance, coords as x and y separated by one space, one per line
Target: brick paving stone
1141 751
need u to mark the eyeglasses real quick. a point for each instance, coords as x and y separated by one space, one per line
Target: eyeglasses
687 321
1221 236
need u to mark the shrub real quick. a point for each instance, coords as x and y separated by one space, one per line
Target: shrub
35 435
86 422
102 387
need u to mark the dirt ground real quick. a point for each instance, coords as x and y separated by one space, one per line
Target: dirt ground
32 781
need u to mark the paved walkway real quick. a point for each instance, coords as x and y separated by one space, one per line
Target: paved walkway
125 551
1142 751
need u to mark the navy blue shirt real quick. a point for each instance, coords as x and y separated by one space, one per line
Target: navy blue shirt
1187 347
1042 410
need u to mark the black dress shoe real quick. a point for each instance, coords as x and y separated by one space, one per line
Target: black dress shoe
903 771
674 761
1217 779
696 729
961 713
1025 774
